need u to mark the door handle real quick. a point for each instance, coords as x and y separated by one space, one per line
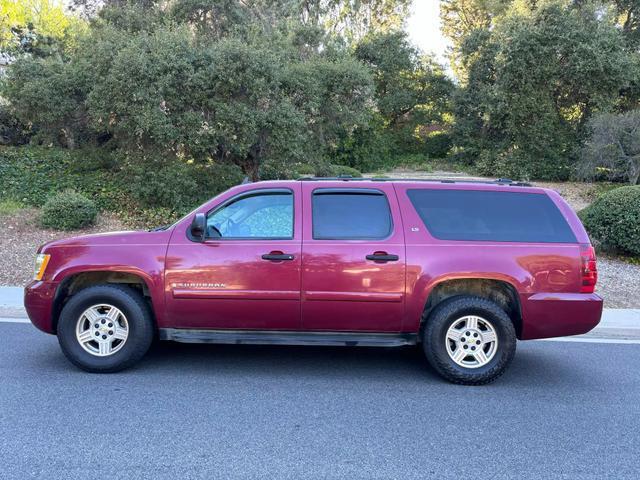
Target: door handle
277 256
383 257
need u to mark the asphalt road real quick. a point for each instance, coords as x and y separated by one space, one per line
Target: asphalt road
563 410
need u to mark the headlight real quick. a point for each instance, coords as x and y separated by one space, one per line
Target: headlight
42 260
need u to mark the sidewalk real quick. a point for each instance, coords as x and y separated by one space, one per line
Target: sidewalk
617 325
11 302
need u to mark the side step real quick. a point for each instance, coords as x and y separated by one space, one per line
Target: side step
279 337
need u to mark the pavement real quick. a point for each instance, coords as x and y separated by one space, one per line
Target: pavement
564 409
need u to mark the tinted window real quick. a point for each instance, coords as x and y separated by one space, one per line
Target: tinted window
487 215
261 215
350 215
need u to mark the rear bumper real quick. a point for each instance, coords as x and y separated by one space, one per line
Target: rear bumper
546 315
38 301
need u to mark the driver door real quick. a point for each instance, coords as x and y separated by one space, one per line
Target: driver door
246 274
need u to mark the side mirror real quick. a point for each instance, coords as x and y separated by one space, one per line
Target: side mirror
199 227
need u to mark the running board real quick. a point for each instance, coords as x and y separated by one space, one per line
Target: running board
279 337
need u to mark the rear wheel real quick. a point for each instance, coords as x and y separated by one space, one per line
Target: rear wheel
105 328
469 340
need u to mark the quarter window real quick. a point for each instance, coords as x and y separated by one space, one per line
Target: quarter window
350 214
491 216
264 215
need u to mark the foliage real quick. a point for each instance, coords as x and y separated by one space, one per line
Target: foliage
176 185
12 130
9 207
68 210
141 191
462 18
161 91
613 148
533 82
38 27
613 219
412 95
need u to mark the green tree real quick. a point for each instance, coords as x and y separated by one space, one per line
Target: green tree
460 18
613 148
411 93
36 26
534 81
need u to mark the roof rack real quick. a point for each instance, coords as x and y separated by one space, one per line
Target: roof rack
348 178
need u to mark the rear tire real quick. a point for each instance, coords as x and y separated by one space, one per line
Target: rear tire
469 340
105 328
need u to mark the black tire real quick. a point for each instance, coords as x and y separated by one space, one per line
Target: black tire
135 309
435 346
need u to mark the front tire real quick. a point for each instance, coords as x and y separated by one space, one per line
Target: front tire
469 340
105 328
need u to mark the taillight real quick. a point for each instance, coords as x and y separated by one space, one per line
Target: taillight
588 269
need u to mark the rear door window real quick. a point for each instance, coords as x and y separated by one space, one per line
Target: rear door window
491 216
350 214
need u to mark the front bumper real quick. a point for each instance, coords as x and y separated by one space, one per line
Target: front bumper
546 315
38 301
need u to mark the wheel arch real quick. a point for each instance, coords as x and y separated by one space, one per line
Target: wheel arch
76 281
499 291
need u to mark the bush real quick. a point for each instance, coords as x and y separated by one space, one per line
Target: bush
613 220
177 185
521 167
31 175
337 170
68 211
141 192
613 148
437 145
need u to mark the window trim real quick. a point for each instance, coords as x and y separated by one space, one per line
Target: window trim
246 194
351 191
542 242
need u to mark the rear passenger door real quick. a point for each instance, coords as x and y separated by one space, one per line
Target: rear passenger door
353 258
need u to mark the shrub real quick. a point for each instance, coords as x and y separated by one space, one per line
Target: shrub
68 211
178 185
437 145
613 220
337 170
613 149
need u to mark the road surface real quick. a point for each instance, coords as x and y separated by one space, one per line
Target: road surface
563 410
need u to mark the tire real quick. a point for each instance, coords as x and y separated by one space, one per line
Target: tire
450 326
129 310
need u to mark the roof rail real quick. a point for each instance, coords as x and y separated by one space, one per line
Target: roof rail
349 178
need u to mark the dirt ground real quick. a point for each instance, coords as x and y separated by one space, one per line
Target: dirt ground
20 236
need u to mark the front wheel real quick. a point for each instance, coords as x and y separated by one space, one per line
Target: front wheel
469 340
105 328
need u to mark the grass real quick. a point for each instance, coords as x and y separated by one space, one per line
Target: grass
9 207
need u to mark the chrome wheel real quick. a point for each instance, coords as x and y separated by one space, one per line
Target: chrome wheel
102 330
471 341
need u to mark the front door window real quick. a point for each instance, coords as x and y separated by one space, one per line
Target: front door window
266 215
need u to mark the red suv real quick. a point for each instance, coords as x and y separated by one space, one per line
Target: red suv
462 268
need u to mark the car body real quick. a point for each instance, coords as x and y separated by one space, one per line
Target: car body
332 269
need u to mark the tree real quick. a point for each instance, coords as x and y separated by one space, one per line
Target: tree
613 148
37 27
411 89
534 82
48 93
462 17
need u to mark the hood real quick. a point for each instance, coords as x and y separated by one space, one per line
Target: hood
127 238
